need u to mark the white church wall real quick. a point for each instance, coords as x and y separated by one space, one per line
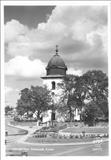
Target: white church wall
47 116
48 83
57 91
76 114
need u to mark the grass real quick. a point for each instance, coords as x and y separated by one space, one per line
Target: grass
87 130
58 140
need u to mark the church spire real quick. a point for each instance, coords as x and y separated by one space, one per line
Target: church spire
57 50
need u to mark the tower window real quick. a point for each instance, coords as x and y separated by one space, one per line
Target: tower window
53 94
53 85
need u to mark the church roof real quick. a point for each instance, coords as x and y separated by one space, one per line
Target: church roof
56 62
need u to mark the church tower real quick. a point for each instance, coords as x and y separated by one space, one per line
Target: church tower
55 71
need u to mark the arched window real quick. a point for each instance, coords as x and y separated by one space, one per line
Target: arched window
53 85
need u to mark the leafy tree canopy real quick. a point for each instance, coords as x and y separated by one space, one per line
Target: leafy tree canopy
91 87
8 109
34 99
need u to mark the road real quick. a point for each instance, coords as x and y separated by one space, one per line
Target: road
76 150
15 147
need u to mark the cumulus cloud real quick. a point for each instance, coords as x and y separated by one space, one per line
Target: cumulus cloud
81 32
24 67
74 72
8 89
14 29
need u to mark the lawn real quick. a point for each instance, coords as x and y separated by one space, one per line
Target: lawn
86 129
58 140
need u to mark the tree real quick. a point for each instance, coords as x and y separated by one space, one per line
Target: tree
24 104
103 105
8 109
33 99
91 87
90 113
73 94
96 83
41 99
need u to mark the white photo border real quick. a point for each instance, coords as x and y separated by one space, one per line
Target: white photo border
45 3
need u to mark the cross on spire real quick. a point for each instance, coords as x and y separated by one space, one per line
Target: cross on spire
57 50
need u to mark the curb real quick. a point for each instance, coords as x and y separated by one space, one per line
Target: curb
24 131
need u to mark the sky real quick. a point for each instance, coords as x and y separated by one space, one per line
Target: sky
32 32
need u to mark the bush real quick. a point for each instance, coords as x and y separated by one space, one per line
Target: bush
18 119
83 133
76 136
60 137
71 136
40 135
55 128
92 136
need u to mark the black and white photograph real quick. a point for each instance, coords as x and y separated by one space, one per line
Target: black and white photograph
55 77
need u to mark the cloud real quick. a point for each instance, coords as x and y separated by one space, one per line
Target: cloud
8 89
75 72
81 32
14 29
11 95
24 67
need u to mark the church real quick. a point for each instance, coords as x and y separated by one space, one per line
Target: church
55 72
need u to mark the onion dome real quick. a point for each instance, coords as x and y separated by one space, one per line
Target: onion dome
56 65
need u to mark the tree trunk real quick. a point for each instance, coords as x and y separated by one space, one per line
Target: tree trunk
70 114
38 115
38 118
52 117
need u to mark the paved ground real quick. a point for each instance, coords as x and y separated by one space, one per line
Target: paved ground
71 150
15 146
